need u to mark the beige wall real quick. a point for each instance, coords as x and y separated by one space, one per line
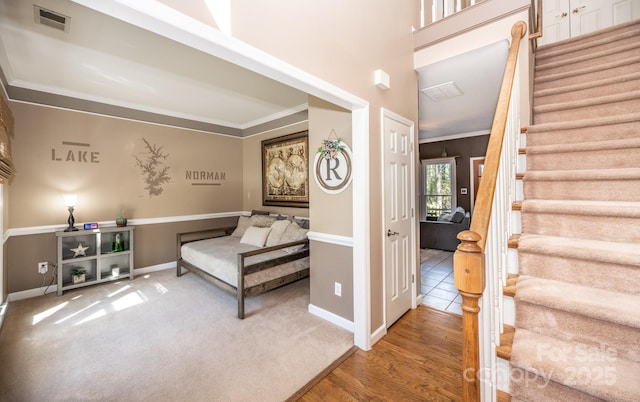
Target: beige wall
344 42
112 179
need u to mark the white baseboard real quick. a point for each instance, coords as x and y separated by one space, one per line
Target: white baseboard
332 318
154 268
378 334
29 293
419 299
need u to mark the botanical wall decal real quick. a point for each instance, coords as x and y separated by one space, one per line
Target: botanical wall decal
152 168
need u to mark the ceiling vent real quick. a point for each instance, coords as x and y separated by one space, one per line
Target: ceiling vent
442 91
51 18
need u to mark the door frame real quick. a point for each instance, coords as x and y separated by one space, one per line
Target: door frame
172 24
385 113
472 176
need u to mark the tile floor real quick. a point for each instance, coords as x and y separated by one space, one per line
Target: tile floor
436 281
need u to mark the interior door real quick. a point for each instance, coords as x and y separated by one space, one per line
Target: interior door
399 221
564 19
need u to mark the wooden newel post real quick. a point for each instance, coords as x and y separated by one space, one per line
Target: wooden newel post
468 271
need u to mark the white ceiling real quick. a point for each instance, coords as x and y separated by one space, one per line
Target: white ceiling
105 65
478 74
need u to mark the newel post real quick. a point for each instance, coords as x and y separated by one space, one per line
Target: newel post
468 271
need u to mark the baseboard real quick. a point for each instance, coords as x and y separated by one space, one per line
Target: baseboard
419 300
332 318
378 334
29 293
154 268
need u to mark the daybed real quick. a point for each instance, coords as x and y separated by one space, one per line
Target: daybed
260 254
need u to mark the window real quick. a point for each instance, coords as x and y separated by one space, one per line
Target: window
438 187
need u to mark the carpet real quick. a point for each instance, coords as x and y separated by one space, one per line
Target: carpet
164 338
577 324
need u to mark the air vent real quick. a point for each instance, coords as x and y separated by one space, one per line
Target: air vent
442 91
51 18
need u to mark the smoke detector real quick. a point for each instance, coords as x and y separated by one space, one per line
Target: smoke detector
51 18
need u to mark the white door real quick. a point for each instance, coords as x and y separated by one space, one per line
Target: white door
399 222
555 20
563 19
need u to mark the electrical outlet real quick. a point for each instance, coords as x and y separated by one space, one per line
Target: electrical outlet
43 267
338 289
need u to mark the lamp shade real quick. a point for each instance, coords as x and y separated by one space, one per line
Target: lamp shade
70 200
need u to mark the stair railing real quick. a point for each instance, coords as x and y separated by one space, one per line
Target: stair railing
538 19
482 252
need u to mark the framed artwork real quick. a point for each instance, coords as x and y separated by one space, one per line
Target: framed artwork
285 170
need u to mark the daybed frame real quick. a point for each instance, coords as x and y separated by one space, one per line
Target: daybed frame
243 269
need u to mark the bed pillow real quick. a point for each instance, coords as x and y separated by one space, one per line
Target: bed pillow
243 223
277 230
262 221
293 233
255 236
458 215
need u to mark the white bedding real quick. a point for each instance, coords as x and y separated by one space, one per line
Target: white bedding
219 257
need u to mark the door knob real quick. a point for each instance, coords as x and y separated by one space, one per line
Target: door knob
577 9
562 15
390 233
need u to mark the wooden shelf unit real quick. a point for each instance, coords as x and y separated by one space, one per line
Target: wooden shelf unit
96 253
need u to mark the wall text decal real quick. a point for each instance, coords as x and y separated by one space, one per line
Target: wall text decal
205 178
68 154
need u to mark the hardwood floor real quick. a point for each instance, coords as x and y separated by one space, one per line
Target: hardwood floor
420 359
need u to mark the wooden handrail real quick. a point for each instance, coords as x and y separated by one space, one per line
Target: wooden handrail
538 33
468 260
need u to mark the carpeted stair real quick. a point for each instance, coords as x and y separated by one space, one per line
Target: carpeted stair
577 326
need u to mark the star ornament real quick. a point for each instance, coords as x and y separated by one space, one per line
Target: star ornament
79 251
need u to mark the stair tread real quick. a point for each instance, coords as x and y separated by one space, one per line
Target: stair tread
584 174
626 209
503 396
609 50
600 304
510 288
503 351
573 124
593 101
560 360
598 250
589 40
587 85
606 144
586 70
514 240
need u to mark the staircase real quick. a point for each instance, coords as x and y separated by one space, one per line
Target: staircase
577 293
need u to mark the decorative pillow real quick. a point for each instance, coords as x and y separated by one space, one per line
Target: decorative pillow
303 223
458 215
262 221
277 230
293 232
445 217
243 224
255 236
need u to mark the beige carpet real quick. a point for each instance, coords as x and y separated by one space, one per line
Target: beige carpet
577 335
163 338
